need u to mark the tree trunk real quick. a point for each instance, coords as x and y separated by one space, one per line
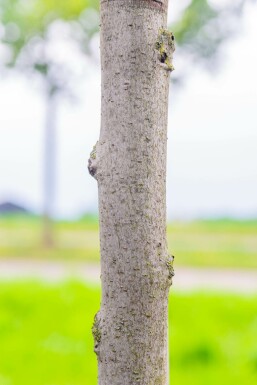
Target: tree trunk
49 170
129 163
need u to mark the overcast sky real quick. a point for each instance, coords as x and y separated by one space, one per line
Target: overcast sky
212 145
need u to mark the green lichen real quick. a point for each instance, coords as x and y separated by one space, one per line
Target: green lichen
165 46
96 330
169 264
137 375
159 380
169 65
93 152
165 33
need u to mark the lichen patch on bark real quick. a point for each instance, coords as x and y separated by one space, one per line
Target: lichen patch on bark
165 47
92 162
97 334
169 264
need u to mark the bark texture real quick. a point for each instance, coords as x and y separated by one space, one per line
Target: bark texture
129 163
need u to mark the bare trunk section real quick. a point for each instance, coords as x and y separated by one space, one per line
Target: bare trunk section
129 163
49 171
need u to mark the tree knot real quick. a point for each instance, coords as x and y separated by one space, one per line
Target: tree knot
92 162
169 264
165 45
96 331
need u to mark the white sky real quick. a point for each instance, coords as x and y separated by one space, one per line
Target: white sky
212 146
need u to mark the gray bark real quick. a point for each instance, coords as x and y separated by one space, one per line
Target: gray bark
129 163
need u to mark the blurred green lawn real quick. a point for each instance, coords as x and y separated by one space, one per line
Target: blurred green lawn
45 336
224 243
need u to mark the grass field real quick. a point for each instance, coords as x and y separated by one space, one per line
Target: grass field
223 243
45 336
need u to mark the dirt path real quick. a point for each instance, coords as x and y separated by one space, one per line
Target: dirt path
186 278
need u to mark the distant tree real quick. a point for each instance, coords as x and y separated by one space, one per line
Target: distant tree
29 33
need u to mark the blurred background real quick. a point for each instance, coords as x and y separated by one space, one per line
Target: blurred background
49 243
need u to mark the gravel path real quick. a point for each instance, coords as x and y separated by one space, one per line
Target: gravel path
186 278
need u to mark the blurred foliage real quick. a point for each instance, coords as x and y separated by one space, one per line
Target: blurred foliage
203 26
200 29
45 336
27 34
217 243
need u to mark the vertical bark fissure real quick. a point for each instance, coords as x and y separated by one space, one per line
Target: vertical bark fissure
129 163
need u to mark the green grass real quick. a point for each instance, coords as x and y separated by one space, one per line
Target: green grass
221 243
214 243
45 336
